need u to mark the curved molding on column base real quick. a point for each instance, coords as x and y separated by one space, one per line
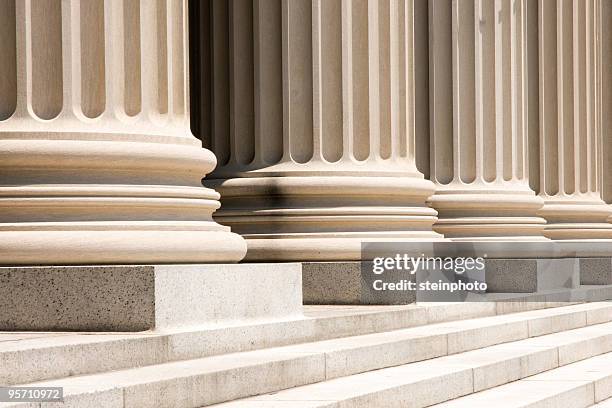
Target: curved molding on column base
117 244
324 218
488 215
105 159
579 231
492 229
569 211
575 218
323 247
78 198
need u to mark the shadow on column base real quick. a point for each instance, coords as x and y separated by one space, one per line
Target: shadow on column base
324 218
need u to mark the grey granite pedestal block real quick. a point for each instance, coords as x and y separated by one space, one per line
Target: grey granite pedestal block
135 298
346 283
343 283
531 275
596 271
511 275
353 283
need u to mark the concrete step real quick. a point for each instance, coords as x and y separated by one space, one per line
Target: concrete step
603 404
210 380
577 385
29 357
484 378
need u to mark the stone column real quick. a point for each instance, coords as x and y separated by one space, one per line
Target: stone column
570 93
605 108
481 113
97 163
313 120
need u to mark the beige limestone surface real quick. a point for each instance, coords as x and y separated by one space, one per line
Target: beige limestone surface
97 162
313 115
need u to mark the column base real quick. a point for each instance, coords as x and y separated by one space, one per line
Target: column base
85 198
136 298
488 216
323 218
577 218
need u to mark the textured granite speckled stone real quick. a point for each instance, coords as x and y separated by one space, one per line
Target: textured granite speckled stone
531 275
77 298
329 283
135 298
596 271
511 275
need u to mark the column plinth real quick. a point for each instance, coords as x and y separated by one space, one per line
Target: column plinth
312 116
97 162
480 118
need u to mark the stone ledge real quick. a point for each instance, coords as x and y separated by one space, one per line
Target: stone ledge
344 283
144 297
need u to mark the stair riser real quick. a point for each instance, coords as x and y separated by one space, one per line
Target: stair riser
40 361
195 391
604 404
571 394
342 363
57 362
461 383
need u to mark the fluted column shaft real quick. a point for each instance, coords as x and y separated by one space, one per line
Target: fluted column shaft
605 109
312 116
97 163
481 115
570 120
